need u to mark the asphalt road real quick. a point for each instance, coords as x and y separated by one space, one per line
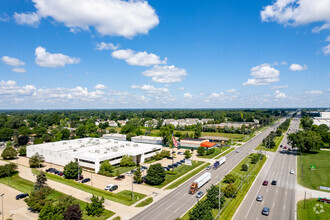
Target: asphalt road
178 202
279 198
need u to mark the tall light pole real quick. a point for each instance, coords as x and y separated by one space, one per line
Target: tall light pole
219 198
2 205
78 170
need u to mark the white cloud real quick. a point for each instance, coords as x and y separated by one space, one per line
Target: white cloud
19 70
328 38
313 92
263 74
108 17
10 88
30 18
165 74
217 95
231 90
280 87
12 61
280 95
297 67
150 89
181 88
298 12
46 59
187 95
100 86
4 18
106 46
137 58
326 49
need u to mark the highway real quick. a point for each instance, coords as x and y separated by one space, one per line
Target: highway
279 198
178 202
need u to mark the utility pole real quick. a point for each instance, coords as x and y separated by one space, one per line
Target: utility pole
2 206
78 170
132 188
219 198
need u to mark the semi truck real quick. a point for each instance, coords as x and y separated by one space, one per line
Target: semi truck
219 162
199 182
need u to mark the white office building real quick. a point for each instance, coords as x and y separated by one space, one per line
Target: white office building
90 152
115 136
324 119
147 139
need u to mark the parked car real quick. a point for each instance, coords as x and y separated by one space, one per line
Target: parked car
144 167
274 182
182 161
113 188
208 167
292 172
265 211
60 173
259 198
49 170
175 165
265 183
199 194
128 173
81 177
85 180
21 196
170 166
120 177
173 152
284 147
166 169
281 146
133 171
170 158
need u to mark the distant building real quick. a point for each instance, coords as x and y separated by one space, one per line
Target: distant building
206 120
122 122
215 139
189 142
324 119
112 123
147 139
90 152
151 123
170 122
115 136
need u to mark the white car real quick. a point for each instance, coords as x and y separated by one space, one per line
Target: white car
237 151
292 172
208 167
128 174
108 187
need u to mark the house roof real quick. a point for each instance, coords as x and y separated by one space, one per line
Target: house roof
207 144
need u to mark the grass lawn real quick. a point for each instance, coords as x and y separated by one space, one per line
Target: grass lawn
181 170
123 197
225 153
277 144
217 151
188 176
123 169
26 186
314 178
308 212
145 202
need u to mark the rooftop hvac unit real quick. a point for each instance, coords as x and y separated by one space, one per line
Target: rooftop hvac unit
74 150
64 142
127 144
116 142
107 148
122 145
97 151
105 152
135 145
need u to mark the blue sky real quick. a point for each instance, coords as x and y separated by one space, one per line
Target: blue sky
164 54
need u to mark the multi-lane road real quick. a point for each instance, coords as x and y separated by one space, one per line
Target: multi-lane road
178 202
279 198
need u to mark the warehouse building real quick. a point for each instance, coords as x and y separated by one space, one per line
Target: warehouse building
115 136
90 152
147 139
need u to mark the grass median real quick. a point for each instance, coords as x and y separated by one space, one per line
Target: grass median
123 197
277 141
145 202
26 186
225 153
307 212
188 176
178 172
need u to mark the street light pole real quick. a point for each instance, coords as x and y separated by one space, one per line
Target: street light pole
219 198
2 206
78 170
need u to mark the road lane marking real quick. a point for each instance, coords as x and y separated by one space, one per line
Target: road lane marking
284 207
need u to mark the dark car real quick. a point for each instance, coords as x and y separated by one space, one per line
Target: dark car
169 158
170 166
86 180
120 177
175 165
281 146
144 167
173 152
133 171
182 161
265 183
274 182
60 173
113 188
56 172
80 178
265 211
49 170
21 196
166 169
179 162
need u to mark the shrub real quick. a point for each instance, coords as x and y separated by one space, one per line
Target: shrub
95 208
9 153
229 178
126 161
71 170
244 167
106 169
36 160
229 190
155 174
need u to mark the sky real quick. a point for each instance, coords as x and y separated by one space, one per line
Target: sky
110 54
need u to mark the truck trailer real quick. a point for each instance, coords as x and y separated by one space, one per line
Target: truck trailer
219 162
199 182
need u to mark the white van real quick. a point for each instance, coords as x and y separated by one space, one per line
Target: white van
108 187
111 187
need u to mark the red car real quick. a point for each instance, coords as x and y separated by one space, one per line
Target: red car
265 183
284 147
80 178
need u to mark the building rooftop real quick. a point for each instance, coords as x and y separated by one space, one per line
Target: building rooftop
141 137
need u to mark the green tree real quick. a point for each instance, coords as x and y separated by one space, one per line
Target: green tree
201 211
37 199
41 181
22 151
22 140
8 169
73 212
187 154
212 197
229 190
65 134
126 161
50 212
95 208
81 131
6 134
201 151
9 153
71 170
38 141
138 176
36 160
198 131
306 123
106 168
155 174
244 167
165 153
229 178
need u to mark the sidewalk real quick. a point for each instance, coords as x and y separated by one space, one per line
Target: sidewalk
310 193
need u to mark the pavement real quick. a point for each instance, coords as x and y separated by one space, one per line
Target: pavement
280 198
178 202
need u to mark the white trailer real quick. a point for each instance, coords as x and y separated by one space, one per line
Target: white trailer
199 182
221 160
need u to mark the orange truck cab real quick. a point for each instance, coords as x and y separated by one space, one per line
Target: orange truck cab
193 188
